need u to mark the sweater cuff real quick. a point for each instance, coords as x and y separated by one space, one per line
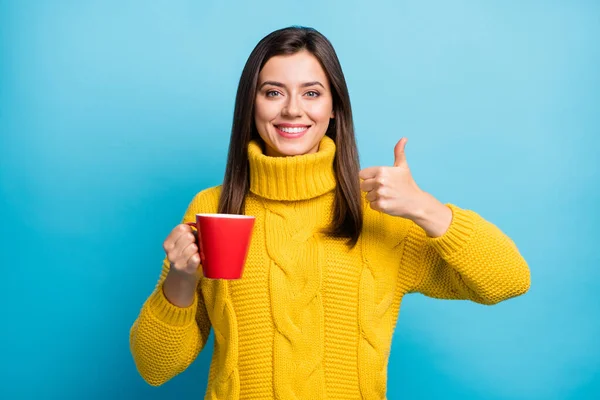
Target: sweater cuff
458 234
160 307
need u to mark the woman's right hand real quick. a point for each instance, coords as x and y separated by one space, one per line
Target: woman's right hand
180 284
182 250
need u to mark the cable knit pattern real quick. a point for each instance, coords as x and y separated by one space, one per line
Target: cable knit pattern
312 318
226 382
378 299
295 286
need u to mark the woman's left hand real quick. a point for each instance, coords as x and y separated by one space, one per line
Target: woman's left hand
393 190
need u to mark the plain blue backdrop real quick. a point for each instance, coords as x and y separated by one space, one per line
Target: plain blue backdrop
113 114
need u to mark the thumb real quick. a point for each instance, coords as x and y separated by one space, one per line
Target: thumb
399 154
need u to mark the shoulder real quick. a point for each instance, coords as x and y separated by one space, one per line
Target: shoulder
209 195
205 201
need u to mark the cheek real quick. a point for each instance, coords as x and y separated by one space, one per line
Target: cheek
265 111
321 112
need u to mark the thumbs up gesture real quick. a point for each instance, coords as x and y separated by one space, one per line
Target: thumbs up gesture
392 190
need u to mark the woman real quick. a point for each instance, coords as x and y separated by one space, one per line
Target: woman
333 251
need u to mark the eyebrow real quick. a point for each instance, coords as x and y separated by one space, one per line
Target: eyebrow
281 85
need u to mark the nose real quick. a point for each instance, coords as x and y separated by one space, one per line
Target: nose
291 107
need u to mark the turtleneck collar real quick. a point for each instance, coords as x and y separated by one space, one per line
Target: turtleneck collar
292 178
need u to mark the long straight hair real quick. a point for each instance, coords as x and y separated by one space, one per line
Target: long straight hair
347 215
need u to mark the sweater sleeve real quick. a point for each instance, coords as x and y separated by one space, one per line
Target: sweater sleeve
165 339
473 260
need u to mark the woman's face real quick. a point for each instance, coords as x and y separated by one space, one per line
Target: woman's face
293 104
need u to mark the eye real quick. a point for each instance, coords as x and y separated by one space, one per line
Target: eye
272 93
312 93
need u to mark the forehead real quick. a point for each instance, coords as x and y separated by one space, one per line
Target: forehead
291 69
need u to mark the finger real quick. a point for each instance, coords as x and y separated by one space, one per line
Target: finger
369 173
374 183
174 235
181 229
181 260
190 257
193 262
368 185
372 196
377 205
399 154
188 253
184 240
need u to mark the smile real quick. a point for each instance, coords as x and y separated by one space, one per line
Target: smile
291 132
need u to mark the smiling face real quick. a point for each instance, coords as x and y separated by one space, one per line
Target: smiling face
293 104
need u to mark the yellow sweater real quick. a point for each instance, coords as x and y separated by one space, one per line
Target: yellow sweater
311 319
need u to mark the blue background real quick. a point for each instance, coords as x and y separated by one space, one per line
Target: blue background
114 114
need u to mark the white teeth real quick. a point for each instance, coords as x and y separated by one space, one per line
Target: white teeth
293 130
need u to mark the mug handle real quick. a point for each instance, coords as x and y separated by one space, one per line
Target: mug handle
195 227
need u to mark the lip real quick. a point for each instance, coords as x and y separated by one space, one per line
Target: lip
292 125
288 135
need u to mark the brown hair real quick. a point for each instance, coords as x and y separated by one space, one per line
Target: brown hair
347 217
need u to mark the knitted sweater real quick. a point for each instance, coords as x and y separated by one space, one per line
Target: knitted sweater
311 318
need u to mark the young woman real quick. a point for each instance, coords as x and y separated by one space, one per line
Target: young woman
333 252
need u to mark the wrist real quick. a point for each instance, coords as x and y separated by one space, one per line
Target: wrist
180 288
191 278
432 215
422 208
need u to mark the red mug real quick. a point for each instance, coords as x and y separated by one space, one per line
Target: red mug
224 241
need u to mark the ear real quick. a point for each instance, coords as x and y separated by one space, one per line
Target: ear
332 114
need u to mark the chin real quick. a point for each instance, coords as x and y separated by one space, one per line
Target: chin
292 149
